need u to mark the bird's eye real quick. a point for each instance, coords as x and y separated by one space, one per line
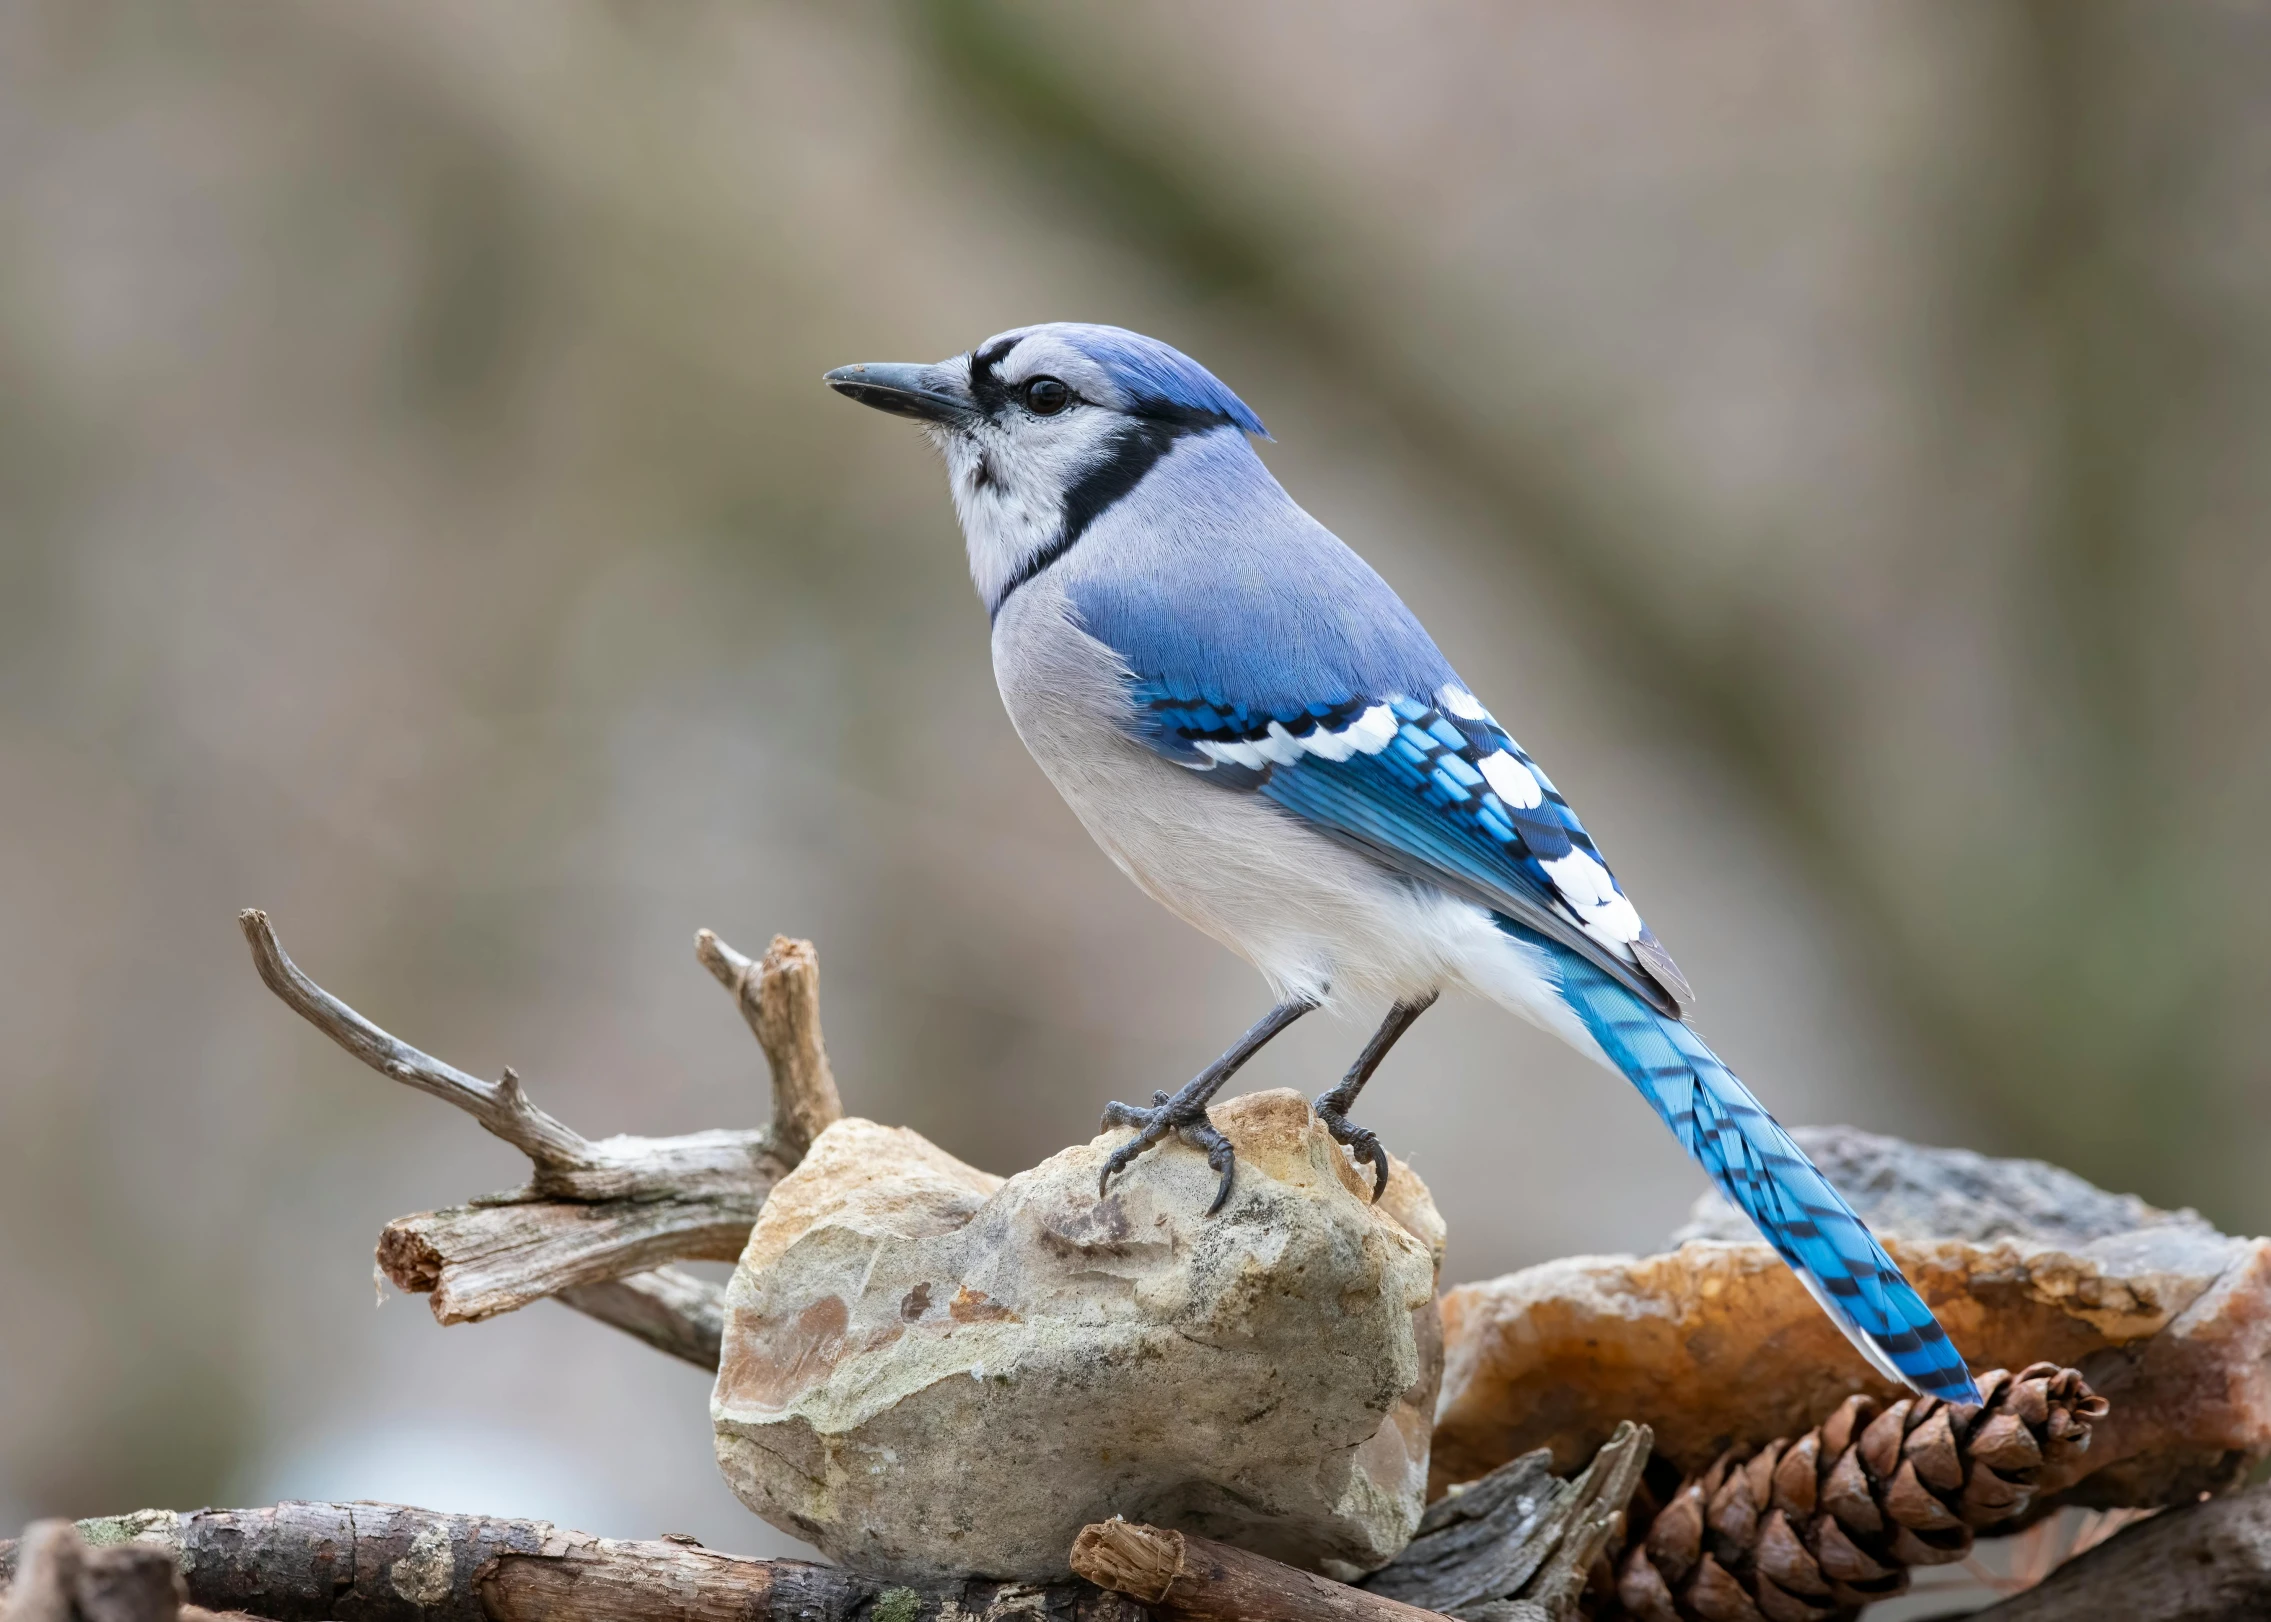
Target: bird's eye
1046 396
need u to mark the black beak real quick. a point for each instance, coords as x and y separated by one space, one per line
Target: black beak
926 393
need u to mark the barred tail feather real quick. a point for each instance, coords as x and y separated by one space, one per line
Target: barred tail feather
1769 1178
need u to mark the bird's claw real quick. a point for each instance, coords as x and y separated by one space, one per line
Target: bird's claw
1152 1126
1363 1144
1204 1134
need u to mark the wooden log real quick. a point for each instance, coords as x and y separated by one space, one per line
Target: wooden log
2208 1562
1520 1534
1179 1575
594 1212
59 1579
498 1254
310 1562
670 1310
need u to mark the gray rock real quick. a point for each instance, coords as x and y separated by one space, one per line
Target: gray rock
929 1372
1910 1191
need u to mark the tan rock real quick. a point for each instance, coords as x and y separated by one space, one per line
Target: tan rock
929 1371
1715 1344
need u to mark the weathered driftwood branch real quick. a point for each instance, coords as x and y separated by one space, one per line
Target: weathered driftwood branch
670 1310
779 995
594 1212
1520 1536
384 1563
1200 1580
2206 1562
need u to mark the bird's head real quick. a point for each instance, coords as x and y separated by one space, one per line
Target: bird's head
1045 428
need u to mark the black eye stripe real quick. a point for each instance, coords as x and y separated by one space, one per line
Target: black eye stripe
986 385
1134 448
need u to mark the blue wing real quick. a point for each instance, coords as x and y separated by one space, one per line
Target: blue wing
1431 786
1440 790
1269 657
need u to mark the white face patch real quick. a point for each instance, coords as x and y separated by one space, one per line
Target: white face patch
1511 781
1009 478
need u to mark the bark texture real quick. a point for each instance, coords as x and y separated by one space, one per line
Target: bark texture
670 1310
2206 1562
1520 1536
59 1579
1179 1575
779 995
306 1562
1716 1344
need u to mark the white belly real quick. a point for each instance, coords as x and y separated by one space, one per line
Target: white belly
1314 917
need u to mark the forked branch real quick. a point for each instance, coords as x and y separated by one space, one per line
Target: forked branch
501 1106
779 995
595 1213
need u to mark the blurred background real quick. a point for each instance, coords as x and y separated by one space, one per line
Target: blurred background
1831 436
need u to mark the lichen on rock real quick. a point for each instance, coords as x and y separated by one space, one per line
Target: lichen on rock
931 1372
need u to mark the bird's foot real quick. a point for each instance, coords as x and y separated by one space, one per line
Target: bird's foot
1184 1114
1362 1144
1165 1115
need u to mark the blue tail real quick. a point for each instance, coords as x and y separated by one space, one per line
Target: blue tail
1769 1178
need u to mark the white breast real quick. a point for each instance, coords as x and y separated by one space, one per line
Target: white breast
1314 916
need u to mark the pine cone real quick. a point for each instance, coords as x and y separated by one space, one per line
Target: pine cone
1812 1530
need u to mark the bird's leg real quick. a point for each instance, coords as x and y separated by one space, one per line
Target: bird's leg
1333 1107
1185 1113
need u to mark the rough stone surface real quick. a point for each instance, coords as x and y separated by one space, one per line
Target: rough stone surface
1914 1192
929 1371
1715 1344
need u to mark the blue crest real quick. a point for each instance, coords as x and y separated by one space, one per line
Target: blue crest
1158 374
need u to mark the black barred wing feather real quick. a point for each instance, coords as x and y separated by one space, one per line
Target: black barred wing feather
1434 788
1438 789
1769 1179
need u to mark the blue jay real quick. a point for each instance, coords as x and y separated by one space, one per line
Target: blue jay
1261 735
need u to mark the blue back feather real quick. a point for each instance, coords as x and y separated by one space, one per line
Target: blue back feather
1208 578
1234 608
